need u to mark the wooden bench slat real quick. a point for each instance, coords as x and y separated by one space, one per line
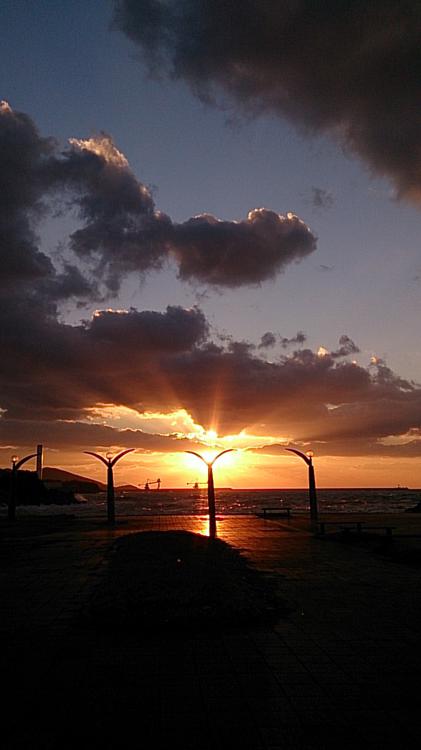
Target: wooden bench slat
359 526
266 512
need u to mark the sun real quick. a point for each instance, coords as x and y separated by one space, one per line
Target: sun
211 436
227 459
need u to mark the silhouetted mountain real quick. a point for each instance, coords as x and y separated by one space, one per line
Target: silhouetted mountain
29 490
51 474
71 482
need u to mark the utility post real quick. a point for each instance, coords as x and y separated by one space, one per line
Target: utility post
308 458
211 489
16 464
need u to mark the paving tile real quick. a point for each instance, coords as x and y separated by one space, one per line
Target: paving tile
335 673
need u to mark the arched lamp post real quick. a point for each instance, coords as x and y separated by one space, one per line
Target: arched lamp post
110 462
16 464
308 458
211 489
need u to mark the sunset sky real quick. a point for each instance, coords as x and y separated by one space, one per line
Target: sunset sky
210 238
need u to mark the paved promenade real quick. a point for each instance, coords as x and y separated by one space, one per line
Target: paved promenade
342 670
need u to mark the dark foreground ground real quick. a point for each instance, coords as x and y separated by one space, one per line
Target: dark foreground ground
335 664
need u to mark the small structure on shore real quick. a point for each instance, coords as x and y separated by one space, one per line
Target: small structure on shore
195 485
147 485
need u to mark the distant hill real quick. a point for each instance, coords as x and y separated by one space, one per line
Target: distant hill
51 474
59 475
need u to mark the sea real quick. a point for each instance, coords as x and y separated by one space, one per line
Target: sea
232 502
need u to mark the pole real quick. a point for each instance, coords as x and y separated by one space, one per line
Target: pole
110 493
211 489
314 515
308 458
16 464
211 504
109 462
39 461
11 511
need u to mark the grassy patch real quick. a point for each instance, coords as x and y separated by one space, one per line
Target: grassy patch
160 580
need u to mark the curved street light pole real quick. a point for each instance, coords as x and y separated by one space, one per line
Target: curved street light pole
16 464
110 462
308 458
211 489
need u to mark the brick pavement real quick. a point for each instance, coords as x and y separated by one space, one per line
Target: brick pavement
341 670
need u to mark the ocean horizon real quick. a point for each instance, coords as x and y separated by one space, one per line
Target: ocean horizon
187 501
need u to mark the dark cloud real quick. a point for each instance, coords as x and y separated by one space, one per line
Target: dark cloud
55 373
299 338
346 347
23 154
321 198
227 253
175 330
411 448
350 68
304 394
82 435
122 231
269 339
240 348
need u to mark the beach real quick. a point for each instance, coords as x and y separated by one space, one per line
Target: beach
338 665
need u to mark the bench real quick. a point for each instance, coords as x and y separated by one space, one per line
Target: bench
358 526
275 512
344 525
387 529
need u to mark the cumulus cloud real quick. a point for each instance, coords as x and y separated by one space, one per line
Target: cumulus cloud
57 371
351 69
228 253
52 374
175 330
23 154
121 229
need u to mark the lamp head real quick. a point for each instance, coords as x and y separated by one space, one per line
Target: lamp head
15 459
309 454
109 455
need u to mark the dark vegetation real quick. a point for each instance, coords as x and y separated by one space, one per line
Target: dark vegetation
180 581
32 491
